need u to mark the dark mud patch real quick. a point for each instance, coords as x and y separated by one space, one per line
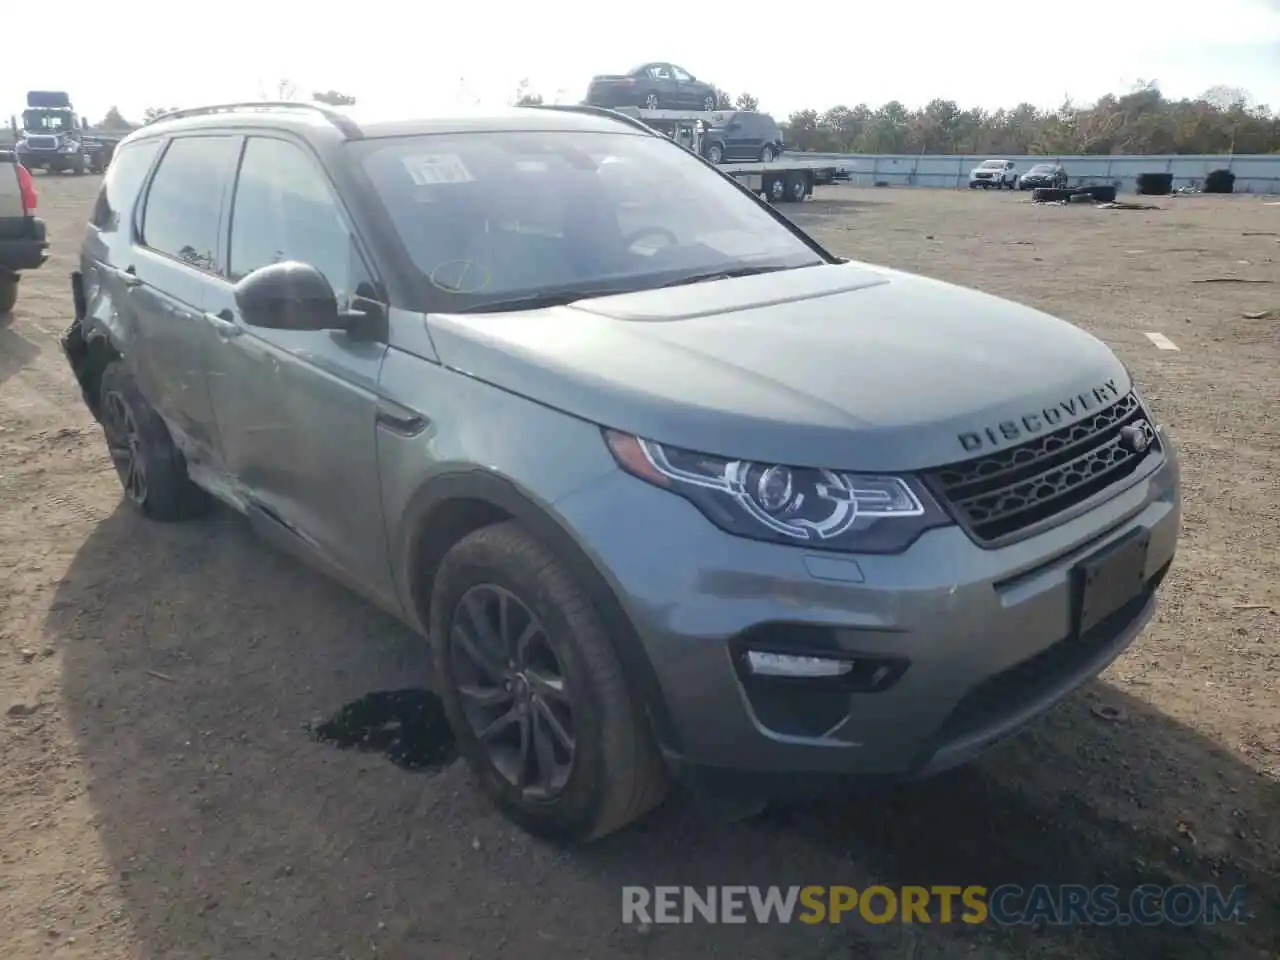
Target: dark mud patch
409 726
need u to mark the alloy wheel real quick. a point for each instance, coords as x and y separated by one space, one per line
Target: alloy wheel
513 691
125 446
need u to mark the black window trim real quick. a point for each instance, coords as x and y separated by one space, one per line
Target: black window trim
139 209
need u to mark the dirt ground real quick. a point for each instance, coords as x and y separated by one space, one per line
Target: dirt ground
161 795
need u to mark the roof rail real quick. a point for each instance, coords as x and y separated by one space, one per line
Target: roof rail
339 120
605 112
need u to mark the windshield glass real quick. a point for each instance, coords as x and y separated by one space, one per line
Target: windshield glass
1041 168
488 217
991 164
45 121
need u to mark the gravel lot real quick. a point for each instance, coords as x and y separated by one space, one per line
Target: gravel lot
162 797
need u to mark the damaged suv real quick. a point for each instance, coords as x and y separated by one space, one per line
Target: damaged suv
676 494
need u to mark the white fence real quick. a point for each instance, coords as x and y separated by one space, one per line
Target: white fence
1257 173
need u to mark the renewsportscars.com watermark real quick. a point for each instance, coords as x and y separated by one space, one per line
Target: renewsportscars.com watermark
1007 905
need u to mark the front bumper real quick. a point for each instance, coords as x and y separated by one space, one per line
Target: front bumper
22 243
985 635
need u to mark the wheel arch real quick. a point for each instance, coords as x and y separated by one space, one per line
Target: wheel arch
90 352
452 505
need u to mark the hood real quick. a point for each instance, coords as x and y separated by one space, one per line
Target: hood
843 366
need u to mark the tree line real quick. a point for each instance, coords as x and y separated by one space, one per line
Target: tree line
1222 120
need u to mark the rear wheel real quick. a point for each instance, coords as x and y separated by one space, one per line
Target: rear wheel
708 103
715 153
152 470
651 101
534 691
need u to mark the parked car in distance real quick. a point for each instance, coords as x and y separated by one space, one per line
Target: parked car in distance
1000 174
742 135
671 491
1044 175
652 86
22 236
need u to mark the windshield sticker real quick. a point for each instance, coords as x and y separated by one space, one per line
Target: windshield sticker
429 169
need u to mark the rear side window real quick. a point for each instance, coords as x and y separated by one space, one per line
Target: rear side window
122 182
184 203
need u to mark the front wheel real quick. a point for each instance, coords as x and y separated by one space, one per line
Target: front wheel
766 154
535 693
651 101
715 153
152 470
708 103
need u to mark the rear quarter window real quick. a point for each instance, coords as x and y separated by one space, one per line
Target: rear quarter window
122 183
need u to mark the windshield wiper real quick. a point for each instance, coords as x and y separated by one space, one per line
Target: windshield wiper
551 298
725 275
560 298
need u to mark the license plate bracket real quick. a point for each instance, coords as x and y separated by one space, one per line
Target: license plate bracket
1105 581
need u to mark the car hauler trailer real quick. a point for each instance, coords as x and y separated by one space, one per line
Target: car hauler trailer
784 180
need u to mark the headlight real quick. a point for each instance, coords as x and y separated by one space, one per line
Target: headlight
801 506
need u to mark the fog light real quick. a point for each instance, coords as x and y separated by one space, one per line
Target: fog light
786 665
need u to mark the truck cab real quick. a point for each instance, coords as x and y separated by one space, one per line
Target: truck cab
52 136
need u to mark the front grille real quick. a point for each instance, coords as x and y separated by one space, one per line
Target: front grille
43 143
1000 495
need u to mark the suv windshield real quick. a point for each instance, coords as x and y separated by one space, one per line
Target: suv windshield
991 165
520 218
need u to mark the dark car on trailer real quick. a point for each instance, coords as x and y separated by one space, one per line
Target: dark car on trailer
743 135
652 86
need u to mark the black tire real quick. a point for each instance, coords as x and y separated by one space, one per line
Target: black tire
142 450
651 101
8 293
1050 195
767 154
615 773
1155 184
715 153
1101 193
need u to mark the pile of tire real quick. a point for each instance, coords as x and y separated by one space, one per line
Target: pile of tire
1155 184
1050 195
1099 194
1220 181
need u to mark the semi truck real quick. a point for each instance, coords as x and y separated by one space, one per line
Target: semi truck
51 136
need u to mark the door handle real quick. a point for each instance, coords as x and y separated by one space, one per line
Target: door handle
224 324
131 278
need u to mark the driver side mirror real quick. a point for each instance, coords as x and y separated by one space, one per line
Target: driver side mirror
288 296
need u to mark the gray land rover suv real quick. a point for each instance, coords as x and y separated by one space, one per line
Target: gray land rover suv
675 494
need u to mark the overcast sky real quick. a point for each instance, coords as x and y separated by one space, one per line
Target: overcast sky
396 55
